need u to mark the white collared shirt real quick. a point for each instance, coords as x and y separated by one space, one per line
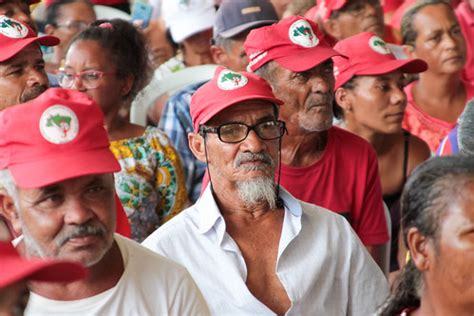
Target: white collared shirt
321 263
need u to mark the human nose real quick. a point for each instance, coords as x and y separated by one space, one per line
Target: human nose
399 97
253 142
77 83
322 84
77 212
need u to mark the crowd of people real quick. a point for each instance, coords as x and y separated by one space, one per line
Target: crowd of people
303 176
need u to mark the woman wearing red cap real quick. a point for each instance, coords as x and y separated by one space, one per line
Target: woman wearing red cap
370 99
109 62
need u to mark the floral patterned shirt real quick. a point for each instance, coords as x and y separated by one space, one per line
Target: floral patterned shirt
151 184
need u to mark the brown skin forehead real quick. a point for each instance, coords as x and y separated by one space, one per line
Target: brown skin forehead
232 111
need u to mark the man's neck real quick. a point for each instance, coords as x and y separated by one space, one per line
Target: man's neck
303 149
102 276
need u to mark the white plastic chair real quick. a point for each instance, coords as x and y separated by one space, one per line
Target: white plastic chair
168 85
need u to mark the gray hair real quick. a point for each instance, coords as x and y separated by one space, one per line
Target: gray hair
8 184
466 129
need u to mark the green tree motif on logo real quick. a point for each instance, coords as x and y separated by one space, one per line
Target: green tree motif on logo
379 42
61 122
8 23
303 30
235 78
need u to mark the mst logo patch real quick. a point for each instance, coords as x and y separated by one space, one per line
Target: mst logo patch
12 28
302 34
377 44
59 124
229 80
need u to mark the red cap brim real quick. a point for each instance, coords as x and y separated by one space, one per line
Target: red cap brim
305 59
16 268
11 50
243 98
63 166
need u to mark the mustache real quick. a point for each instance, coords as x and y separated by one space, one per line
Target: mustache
32 93
249 156
322 99
80 231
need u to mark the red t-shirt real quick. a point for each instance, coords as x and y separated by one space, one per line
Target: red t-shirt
466 20
432 130
346 181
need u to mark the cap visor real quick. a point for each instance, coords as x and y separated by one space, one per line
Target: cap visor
305 59
409 66
20 44
15 269
189 25
244 27
242 98
63 166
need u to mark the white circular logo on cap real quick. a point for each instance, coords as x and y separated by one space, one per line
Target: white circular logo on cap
59 124
12 28
302 34
378 45
229 80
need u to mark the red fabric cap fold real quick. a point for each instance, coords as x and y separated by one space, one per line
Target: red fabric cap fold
15 268
369 55
15 35
295 43
225 89
66 138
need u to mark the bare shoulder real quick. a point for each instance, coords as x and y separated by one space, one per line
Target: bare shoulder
418 152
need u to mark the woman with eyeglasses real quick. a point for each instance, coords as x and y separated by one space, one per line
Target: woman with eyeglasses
371 102
109 62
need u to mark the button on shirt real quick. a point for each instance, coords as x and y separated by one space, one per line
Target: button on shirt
321 263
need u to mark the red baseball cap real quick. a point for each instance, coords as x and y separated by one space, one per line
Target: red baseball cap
57 136
369 55
295 43
15 268
15 35
225 89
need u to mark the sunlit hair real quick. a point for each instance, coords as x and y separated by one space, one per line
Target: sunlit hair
434 186
466 129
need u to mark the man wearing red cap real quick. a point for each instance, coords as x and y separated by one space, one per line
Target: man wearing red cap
59 193
321 164
18 10
16 271
252 248
22 74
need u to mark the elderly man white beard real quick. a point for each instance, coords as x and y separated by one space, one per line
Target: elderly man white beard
260 189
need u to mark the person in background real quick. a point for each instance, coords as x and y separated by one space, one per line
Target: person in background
17 271
252 248
430 31
190 24
340 19
18 10
65 19
370 100
234 20
437 222
321 164
465 15
109 62
58 191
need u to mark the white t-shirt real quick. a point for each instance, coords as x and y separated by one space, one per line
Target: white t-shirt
150 285
321 262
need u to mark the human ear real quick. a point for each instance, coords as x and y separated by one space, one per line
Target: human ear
409 50
197 144
49 29
421 249
343 100
218 55
9 211
127 86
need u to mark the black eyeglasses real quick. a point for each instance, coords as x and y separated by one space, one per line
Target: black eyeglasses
236 132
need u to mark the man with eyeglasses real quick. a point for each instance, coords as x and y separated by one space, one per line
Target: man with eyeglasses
250 246
65 19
